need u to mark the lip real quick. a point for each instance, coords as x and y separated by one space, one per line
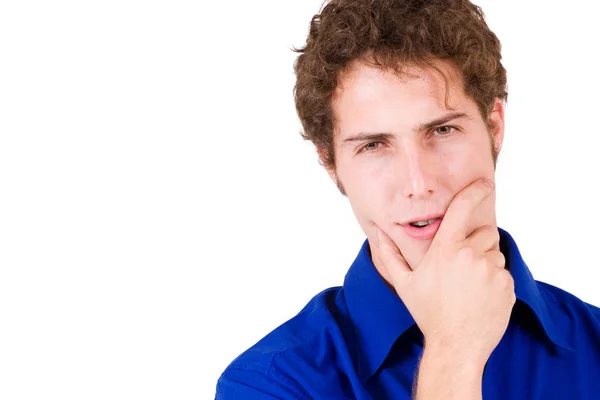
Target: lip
427 232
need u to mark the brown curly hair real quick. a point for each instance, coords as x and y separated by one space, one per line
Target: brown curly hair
392 33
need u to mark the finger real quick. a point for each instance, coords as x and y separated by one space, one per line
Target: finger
485 238
455 222
495 257
392 259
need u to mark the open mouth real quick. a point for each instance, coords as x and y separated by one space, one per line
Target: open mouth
421 224
425 229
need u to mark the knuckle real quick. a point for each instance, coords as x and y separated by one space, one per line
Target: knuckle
500 259
491 233
494 234
495 258
506 280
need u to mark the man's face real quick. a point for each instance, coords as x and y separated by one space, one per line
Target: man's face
421 153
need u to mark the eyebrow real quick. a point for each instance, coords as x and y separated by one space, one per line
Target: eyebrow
440 121
422 127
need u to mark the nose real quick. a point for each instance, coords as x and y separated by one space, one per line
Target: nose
419 176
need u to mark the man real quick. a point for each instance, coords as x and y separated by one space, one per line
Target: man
404 101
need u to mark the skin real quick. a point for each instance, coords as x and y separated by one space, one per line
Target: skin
412 171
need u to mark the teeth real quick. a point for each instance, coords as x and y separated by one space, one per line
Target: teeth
422 223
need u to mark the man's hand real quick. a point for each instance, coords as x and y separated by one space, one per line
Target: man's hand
460 295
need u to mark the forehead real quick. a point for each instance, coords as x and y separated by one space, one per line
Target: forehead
371 96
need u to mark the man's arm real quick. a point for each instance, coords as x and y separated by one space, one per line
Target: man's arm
447 375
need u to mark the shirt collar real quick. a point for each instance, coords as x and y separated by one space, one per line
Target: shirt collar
380 317
528 291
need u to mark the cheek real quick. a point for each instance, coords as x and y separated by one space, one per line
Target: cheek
369 189
467 161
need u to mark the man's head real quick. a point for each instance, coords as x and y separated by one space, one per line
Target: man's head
403 100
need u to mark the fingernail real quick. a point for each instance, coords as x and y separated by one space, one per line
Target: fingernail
489 182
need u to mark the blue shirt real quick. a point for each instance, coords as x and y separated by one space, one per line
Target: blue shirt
359 341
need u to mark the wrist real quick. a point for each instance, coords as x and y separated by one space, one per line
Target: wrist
460 358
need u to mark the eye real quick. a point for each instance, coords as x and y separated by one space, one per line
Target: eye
370 146
444 130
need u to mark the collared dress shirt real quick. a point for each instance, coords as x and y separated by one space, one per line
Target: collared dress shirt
359 341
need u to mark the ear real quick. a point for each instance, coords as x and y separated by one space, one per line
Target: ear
496 123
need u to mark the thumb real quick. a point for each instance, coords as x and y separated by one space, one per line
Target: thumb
392 259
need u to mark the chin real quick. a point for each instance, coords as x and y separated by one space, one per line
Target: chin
414 251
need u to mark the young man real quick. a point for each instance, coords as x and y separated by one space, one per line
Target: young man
404 101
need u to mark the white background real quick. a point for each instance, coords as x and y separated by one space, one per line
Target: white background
160 213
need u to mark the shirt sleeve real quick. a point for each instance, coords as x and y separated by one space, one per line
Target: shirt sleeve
237 384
